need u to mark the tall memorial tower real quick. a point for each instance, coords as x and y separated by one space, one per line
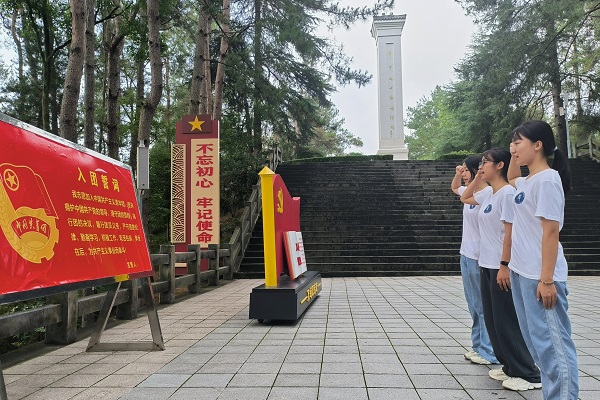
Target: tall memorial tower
387 31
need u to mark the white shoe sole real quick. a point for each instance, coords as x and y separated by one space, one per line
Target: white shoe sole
531 386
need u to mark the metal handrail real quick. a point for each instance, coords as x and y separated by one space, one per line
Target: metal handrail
241 236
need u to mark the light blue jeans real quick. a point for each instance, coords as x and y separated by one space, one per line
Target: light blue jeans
548 337
471 277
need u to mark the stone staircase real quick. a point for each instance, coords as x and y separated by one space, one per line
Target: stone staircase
580 235
382 218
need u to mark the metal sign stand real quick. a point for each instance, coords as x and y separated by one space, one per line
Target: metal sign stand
157 339
3 395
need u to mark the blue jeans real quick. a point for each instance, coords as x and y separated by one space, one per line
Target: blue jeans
548 337
472 285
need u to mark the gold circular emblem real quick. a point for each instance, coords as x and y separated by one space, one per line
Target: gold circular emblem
30 232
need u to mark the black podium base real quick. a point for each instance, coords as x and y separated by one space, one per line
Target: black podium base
287 301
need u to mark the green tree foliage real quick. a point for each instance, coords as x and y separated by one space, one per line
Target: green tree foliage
39 31
525 54
279 75
434 128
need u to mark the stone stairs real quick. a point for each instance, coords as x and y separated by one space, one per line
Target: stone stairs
380 218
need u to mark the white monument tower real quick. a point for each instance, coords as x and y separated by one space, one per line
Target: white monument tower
387 31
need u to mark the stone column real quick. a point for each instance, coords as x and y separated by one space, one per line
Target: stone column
387 31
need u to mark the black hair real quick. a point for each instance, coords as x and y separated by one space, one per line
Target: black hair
496 155
539 130
472 163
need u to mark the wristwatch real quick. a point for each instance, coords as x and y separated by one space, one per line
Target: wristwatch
505 263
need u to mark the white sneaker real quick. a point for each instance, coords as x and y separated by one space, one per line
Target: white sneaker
498 374
519 384
470 354
479 360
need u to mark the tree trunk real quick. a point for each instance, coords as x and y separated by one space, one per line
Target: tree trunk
17 40
90 64
151 102
220 76
156 66
115 50
578 105
47 66
555 83
15 35
197 89
68 109
168 99
258 66
207 72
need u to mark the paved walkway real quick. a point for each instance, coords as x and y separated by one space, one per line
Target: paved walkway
362 338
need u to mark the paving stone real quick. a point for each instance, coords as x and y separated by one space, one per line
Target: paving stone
252 380
426 369
378 336
392 393
342 393
53 393
388 381
248 393
293 393
395 368
342 380
220 368
128 381
78 380
297 380
96 393
202 380
144 393
434 381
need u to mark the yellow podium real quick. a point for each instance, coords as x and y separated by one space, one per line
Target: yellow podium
281 297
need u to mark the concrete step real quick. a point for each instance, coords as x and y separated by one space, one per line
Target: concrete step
400 218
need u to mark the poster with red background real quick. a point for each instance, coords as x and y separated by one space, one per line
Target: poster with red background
67 214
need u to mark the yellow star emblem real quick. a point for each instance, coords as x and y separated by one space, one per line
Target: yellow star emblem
196 124
11 178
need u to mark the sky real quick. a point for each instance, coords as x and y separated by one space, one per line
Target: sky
435 37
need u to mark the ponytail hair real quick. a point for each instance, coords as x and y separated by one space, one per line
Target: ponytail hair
539 130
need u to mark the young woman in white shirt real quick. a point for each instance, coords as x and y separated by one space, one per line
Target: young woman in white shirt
482 351
495 217
538 265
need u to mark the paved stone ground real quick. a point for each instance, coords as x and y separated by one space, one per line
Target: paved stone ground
362 338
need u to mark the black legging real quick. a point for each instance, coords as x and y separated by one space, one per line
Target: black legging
503 328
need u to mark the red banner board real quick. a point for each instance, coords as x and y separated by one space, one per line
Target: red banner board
67 214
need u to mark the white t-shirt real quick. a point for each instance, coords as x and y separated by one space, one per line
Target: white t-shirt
470 243
539 196
495 209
